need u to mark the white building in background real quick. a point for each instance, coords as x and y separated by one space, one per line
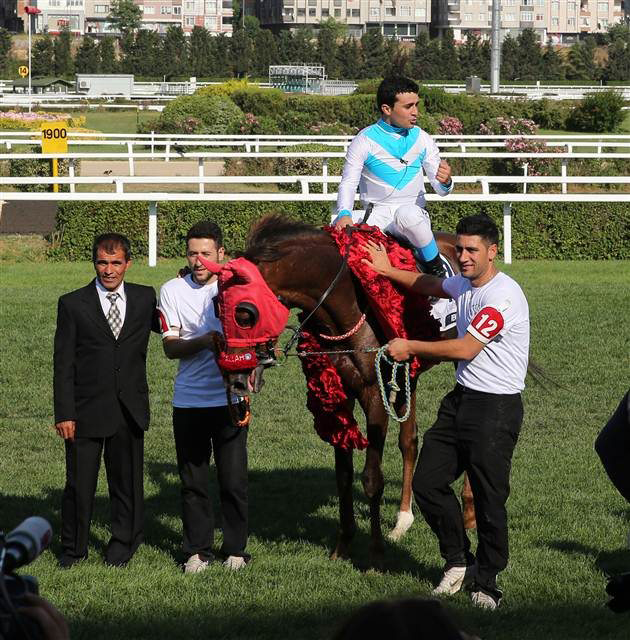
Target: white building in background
402 19
92 16
555 21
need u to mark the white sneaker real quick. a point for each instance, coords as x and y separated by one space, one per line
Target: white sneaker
484 601
453 580
195 564
235 563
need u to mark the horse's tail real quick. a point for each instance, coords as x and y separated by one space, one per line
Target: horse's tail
541 378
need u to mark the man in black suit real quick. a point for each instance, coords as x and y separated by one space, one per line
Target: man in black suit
102 399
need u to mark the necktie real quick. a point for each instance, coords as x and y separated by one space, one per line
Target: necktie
113 317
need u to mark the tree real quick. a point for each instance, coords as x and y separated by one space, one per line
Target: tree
618 67
200 53
174 53
107 55
553 66
242 48
373 47
327 48
5 49
125 16
222 54
303 48
421 65
286 47
252 27
265 52
396 59
64 65
509 59
582 65
87 59
471 57
529 61
350 60
142 53
449 62
43 58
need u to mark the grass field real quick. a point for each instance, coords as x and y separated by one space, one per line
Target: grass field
567 524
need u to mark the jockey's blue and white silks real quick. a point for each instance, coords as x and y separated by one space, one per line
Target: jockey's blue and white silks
388 165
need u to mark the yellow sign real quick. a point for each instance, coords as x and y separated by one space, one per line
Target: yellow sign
23 70
54 137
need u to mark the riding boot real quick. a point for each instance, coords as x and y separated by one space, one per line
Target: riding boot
433 267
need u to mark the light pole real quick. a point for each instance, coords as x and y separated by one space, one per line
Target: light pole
30 12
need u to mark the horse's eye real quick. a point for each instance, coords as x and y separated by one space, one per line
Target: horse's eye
246 315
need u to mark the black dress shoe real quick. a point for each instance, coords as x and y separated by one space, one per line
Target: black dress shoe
65 562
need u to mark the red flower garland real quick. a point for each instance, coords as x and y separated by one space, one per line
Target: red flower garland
399 314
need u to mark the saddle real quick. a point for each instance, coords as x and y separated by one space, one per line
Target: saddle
399 313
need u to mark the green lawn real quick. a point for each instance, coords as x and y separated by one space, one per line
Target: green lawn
567 524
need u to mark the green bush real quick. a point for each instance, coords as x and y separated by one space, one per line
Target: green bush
599 113
368 86
540 230
42 167
550 114
203 114
260 102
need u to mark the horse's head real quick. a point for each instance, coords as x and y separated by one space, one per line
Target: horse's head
252 319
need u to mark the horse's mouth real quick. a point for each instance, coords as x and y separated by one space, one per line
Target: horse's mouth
244 383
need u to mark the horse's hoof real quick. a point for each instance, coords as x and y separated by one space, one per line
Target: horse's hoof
403 524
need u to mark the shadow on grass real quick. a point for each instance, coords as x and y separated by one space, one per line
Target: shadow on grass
285 505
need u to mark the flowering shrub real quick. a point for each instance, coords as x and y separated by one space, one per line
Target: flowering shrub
34 119
451 126
251 124
332 129
536 166
508 126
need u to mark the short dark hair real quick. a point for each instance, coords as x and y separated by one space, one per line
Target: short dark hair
408 619
479 225
391 87
110 242
206 229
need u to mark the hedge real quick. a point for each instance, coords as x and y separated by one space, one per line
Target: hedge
540 230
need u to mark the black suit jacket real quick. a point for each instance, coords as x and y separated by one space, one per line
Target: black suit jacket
92 369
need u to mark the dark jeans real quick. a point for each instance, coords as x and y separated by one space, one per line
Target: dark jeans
613 448
474 432
123 454
197 433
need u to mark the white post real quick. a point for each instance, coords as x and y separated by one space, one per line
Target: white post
485 187
168 151
152 234
201 184
71 174
130 152
507 233
525 166
325 175
152 144
564 175
30 70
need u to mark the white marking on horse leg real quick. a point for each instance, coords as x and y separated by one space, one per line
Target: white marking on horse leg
403 524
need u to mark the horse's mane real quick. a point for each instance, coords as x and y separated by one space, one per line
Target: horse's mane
268 239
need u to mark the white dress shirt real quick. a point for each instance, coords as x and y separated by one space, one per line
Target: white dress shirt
121 302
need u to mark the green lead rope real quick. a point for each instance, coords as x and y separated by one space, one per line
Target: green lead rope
389 400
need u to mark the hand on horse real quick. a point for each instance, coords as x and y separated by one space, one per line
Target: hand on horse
444 172
344 221
380 262
399 349
66 429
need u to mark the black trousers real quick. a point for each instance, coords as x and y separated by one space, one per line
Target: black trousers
123 453
613 448
197 432
474 432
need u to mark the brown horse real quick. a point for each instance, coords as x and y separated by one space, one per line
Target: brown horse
299 262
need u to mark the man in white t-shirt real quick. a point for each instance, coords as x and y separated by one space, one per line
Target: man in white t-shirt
201 420
479 420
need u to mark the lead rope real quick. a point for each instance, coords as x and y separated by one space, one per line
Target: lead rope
388 402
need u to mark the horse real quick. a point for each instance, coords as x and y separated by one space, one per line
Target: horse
303 267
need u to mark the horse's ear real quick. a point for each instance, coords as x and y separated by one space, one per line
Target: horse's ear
213 267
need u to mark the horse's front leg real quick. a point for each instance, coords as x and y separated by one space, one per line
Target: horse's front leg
408 445
372 476
344 472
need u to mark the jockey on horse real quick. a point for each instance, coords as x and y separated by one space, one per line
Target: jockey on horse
387 161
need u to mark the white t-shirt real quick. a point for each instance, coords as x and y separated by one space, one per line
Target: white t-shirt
497 314
190 307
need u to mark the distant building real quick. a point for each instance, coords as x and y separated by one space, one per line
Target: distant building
402 19
555 21
43 85
98 84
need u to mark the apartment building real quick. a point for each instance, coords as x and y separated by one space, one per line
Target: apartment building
92 16
402 19
555 21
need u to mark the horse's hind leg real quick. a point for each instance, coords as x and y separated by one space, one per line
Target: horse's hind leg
347 525
408 445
